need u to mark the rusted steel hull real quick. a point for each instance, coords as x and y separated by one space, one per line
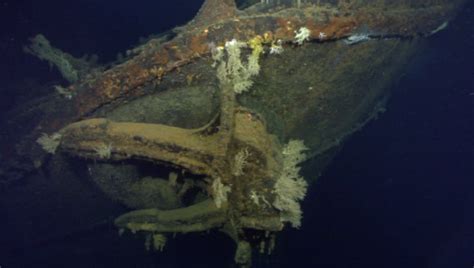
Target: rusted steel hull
138 75
319 91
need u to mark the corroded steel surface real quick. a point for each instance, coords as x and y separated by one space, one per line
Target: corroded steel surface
211 151
156 60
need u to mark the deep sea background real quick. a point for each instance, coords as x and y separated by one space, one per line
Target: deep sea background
399 194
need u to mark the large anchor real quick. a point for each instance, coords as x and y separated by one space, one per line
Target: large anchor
238 157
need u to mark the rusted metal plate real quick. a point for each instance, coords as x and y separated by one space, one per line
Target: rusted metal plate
133 77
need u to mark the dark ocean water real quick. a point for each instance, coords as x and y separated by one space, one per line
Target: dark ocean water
399 194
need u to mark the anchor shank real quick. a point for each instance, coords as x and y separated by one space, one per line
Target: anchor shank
151 142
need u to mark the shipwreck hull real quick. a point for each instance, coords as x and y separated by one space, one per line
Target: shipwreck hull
166 106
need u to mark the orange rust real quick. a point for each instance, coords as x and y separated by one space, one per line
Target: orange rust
285 29
314 27
128 78
339 27
110 88
175 53
161 57
136 76
198 44
136 72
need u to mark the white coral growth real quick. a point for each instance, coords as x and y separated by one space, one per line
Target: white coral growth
357 38
219 192
104 151
302 35
256 198
240 161
49 143
234 71
41 48
443 26
277 48
159 242
290 187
